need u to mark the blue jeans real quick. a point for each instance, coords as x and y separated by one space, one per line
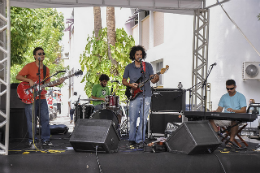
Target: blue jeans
71 114
45 130
135 111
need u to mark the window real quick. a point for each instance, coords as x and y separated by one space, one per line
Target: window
159 66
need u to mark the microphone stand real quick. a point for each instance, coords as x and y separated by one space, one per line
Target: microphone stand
39 93
190 94
204 97
143 73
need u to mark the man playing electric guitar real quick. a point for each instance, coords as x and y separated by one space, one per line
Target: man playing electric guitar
29 74
134 72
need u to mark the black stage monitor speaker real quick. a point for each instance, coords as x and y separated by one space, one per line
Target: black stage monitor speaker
193 137
158 121
168 100
89 133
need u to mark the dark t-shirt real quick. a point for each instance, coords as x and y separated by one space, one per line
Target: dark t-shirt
134 73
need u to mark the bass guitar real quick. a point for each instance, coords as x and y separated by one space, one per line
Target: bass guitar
131 93
25 92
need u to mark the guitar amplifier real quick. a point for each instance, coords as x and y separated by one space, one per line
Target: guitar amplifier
168 100
15 102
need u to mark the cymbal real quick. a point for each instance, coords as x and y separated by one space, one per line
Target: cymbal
90 99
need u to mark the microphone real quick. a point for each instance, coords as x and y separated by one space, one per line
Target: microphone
115 81
140 59
213 64
39 58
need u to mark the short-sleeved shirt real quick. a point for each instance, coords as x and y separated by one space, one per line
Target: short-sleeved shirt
99 91
235 102
72 101
134 73
50 100
30 71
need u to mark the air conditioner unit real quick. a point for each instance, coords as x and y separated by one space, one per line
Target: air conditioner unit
251 70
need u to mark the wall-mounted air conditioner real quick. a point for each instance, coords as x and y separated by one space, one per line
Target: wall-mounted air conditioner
251 70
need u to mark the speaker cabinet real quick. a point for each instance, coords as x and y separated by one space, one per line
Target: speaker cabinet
168 100
158 121
193 137
15 102
91 133
18 124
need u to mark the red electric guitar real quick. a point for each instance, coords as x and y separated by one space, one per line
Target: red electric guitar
133 93
25 92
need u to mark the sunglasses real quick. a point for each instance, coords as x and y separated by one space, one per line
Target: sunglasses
41 54
230 88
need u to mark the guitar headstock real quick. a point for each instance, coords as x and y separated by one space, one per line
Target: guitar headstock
79 72
163 70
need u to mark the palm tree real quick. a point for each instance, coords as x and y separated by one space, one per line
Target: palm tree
111 33
97 20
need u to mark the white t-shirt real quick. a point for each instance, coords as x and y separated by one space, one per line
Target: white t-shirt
73 100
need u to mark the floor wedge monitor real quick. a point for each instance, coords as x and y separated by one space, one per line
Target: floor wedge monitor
92 134
193 137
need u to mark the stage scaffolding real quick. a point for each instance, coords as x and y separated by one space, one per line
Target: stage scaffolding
200 58
5 51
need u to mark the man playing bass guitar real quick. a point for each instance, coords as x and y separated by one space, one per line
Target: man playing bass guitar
134 72
29 74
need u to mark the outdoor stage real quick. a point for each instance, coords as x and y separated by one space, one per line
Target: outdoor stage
62 158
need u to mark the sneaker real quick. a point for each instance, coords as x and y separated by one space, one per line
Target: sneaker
132 142
47 143
140 145
31 146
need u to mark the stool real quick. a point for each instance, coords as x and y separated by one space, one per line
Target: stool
227 134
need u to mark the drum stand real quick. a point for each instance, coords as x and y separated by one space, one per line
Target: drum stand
83 110
124 124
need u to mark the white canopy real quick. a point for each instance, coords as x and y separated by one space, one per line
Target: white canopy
171 6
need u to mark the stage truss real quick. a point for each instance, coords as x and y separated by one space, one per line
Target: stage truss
5 47
200 58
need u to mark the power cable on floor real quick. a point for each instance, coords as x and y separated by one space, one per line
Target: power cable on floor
222 166
99 166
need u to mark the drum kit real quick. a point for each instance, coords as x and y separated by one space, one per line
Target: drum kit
111 110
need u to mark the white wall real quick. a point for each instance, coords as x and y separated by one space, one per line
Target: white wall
229 49
176 51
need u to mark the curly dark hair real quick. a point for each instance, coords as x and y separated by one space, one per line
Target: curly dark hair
137 48
103 77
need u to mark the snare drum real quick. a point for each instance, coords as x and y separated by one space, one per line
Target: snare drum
106 114
112 101
86 109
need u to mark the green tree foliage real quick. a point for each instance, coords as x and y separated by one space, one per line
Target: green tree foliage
96 66
32 28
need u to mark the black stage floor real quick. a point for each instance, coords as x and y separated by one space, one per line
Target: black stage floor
62 158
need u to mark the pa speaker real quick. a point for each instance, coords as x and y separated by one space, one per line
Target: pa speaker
193 137
91 133
168 100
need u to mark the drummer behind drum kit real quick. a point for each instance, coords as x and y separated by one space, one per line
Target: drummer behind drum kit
110 110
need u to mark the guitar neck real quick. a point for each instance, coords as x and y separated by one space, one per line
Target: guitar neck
55 81
151 77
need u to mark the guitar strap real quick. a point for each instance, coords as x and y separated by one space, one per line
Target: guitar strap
44 71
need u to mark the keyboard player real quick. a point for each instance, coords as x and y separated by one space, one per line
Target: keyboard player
231 102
